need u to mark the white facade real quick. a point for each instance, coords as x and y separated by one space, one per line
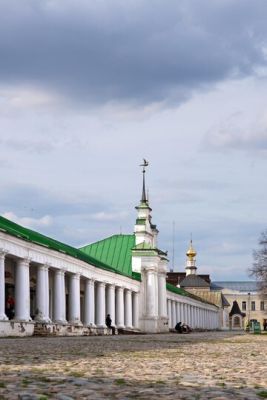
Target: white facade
59 294
58 290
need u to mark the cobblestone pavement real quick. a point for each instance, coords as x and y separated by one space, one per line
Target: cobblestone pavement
197 366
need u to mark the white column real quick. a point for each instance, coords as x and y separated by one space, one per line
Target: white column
128 309
119 308
100 305
3 316
169 307
111 302
162 295
206 320
182 313
89 303
74 299
42 294
59 297
178 312
22 290
198 318
48 295
135 310
173 314
201 318
214 320
186 315
194 317
150 293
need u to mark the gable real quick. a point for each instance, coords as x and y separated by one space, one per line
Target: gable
115 251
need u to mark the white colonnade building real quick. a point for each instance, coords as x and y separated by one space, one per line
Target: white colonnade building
48 287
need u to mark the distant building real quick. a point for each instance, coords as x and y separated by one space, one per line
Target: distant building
251 305
239 302
200 286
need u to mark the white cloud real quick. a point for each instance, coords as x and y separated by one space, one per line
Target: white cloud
238 132
108 216
23 97
29 222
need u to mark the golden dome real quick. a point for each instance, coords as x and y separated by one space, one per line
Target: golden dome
191 252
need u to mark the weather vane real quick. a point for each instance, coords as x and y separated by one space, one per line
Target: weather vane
144 165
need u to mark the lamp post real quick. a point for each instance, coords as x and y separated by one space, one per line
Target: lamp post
249 308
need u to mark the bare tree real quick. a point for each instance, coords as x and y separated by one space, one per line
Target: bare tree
259 268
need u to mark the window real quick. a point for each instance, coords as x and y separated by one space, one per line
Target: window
244 305
253 306
262 306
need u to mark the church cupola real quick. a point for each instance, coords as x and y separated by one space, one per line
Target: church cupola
191 260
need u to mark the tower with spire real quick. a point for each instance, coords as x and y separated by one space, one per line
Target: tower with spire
145 231
151 263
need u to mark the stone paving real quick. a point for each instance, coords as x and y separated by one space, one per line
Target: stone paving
218 365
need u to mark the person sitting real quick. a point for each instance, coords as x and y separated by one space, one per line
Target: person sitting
178 327
186 328
108 321
10 307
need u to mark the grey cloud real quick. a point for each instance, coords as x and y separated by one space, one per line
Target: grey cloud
135 51
225 242
231 135
70 221
4 163
36 202
31 146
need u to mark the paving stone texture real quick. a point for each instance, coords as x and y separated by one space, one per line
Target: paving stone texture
218 365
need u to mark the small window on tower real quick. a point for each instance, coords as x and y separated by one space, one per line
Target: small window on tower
244 305
262 306
253 306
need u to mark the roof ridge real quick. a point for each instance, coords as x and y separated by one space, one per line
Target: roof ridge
23 233
108 237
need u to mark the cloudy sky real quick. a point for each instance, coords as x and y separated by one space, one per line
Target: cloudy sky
89 88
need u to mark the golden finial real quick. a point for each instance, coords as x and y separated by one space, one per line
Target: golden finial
191 252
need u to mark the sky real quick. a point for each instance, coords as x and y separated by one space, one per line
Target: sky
89 89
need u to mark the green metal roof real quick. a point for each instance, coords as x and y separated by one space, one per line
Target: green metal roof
13 229
115 251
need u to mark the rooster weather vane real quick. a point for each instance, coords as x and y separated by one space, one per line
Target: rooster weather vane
144 165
